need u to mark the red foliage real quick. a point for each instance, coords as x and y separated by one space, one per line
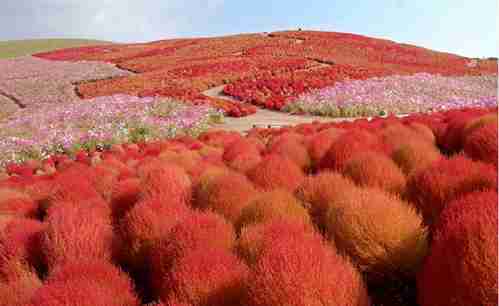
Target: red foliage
166 181
20 241
18 290
481 144
293 150
434 187
74 234
149 220
304 272
124 195
461 268
227 195
206 277
344 148
320 143
197 231
16 203
275 172
374 169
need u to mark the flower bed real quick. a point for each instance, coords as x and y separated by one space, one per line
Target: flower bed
398 95
35 81
98 122
255 220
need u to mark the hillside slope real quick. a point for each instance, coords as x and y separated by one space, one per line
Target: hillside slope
264 69
14 48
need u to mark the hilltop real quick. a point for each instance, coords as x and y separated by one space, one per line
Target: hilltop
14 48
264 69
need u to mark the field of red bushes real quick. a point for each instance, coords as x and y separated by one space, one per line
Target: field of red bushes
265 69
389 211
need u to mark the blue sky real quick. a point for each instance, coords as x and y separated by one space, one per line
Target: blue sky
465 27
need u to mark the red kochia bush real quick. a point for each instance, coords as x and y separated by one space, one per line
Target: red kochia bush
245 162
253 239
275 172
18 290
199 230
292 149
20 242
74 234
344 148
227 195
461 268
17 203
98 272
239 147
304 272
414 155
169 182
273 205
81 292
124 195
147 221
373 169
481 144
434 187
384 235
206 277
320 143
318 192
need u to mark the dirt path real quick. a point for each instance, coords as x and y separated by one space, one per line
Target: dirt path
263 117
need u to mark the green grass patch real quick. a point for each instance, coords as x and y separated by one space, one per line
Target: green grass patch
15 48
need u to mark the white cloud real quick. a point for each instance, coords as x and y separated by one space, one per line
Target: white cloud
119 20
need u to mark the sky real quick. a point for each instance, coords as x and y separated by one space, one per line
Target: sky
464 27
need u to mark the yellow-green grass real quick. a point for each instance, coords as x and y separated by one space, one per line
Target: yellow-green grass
15 48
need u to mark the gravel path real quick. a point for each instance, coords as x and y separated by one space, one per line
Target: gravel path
263 117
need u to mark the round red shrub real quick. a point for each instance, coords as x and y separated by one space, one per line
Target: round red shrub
21 241
245 162
17 203
320 143
199 230
256 237
95 271
304 272
481 144
292 149
415 155
125 194
82 292
19 290
206 277
424 131
227 195
346 146
384 236
73 234
319 191
273 205
434 187
461 268
275 172
168 182
239 147
149 220
373 169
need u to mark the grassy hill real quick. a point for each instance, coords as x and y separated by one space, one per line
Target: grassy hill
14 48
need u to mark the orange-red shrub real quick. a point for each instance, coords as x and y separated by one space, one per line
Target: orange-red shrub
461 268
124 195
227 195
18 290
17 203
206 277
320 143
73 234
149 220
481 144
320 191
384 236
346 146
275 172
373 169
415 155
434 187
273 205
168 182
292 149
304 272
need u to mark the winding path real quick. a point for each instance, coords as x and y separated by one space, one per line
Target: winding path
263 118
